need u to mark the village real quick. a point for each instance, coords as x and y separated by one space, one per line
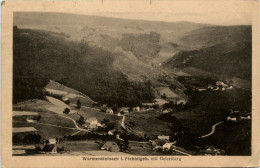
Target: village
107 136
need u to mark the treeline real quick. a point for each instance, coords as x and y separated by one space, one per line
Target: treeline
40 56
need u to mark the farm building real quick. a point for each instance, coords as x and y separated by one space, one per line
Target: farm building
31 120
124 110
136 108
148 104
218 83
49 141
168 146
212 151
168 110
181 101
92 123
162 137
92 120
109 111
119 113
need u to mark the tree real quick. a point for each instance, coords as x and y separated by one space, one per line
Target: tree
66 111
78 104
81 120
164 96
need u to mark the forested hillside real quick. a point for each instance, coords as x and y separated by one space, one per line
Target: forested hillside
40 56
213 35
226 59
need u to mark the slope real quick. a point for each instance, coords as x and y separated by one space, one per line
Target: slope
37 59
226 59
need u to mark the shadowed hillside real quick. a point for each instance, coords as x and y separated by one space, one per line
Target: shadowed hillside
209 36
41 56
226 59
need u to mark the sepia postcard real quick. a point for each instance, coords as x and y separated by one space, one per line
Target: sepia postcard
120 83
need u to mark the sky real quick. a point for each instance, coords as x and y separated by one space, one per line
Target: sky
225 12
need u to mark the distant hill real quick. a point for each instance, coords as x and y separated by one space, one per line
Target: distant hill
105 32
212 35
232 59
47 18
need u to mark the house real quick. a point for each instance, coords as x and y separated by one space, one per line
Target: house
218 83
91 123
31 120
168 110
181 101
229 87
119 113
124 110
52 141
162 137
112 132
212 151
136 108
65 99
231 119
215 88
109 111
148 104
92 120
92 126
168 146
201 89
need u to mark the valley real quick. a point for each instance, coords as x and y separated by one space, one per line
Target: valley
135 86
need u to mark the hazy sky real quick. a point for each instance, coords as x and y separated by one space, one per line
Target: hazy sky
220 12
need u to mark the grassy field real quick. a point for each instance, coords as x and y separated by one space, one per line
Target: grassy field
91 112
85 100
147 123
50 124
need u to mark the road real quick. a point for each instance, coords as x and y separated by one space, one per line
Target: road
123 122
212 130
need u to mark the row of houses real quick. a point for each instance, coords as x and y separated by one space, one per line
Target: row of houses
236 116
120 112
218 86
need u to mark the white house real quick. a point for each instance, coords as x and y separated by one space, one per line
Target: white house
52 141
136 108
181 101
167 146
232 118
124 110
91 123
162 137
109 111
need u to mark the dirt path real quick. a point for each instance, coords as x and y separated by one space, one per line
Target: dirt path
75 123
212 130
